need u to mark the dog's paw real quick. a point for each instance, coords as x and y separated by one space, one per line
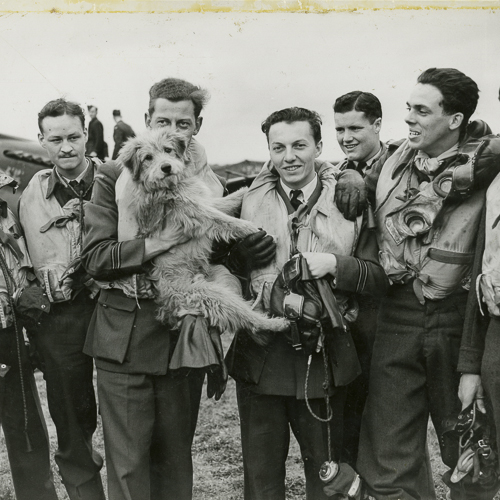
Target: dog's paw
280 324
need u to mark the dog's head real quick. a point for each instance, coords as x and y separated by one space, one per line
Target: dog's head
157 159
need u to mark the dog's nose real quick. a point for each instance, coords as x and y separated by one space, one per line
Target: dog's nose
166 168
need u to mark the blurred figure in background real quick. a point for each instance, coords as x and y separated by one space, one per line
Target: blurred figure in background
95 142
121 133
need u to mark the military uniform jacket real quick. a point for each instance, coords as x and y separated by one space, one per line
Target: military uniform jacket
124 335
277 368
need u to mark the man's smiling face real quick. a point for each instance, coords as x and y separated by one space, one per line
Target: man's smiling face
293 150
431 130
356 135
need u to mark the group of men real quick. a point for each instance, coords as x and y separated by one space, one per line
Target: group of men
96 145
399 325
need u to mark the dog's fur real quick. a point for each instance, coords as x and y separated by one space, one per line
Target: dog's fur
173 203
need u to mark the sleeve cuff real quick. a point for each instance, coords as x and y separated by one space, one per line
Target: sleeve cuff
469 360
352 274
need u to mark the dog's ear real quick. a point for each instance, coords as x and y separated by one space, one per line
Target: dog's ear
129 158
181 144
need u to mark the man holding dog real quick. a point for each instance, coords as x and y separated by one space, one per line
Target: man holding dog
149 413
51 214
294 377
427 212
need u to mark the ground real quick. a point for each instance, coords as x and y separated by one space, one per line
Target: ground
217 455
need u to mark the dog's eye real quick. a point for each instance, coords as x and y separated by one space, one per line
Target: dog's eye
148 157
168 150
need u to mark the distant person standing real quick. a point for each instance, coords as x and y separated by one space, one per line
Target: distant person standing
122 132
95 144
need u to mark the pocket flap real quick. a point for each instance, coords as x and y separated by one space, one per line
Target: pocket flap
116 300
449 257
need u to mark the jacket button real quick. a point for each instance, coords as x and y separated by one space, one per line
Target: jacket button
105 305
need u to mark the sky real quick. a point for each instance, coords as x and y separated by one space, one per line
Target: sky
252 64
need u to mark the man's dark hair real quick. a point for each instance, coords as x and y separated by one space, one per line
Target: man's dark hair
177 90
460 93
290 115
60 107
90 106
364 102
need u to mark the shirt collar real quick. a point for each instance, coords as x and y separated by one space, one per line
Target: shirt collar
55 180
307 190
429 165
375 157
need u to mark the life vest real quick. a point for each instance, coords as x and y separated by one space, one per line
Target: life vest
439 260
52 235
324 229
490 278
15 254
139 285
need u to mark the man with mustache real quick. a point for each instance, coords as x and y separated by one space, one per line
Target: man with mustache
426 227
51 214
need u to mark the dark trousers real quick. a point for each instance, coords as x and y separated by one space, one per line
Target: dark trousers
28 451
413 374
149 423
490 373
70 394
363 335
265 422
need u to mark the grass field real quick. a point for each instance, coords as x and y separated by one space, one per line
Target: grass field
216 454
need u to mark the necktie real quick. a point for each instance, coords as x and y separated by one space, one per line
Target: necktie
294 198
361 166
75 185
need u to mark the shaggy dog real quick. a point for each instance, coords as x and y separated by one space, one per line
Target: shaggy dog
174 204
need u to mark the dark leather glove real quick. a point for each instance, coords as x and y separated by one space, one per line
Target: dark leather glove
252 252
32 303
350 194
216 374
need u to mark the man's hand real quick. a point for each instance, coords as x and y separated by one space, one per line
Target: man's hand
491 295
252 252
350 194
471 390
321 264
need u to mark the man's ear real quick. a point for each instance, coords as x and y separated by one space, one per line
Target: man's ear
319 148
199 123
377 125
147 120
456 120
41 140
128 158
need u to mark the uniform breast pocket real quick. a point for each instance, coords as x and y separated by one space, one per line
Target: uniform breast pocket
115 318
